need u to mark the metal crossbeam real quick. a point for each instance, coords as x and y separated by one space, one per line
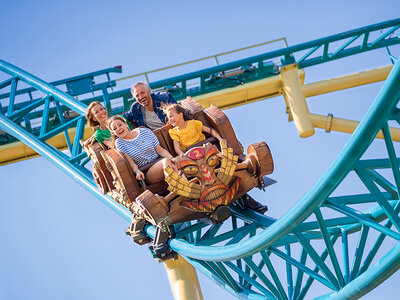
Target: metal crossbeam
243 256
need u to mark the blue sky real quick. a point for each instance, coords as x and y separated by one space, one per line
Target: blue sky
58 241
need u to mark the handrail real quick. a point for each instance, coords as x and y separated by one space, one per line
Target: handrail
79 174
288 52
63 164
43 86
285 54
215 56
117 69
379 113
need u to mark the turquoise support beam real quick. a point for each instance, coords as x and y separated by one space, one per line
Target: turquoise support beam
317 259
345 255
241 262
11 101
45 118
359 252
289 273
48 152
63 127
374 250
329 247
392 156
310 280
43 86
62 121
367 281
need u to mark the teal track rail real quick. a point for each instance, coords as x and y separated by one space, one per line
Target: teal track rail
241 255
306 55
13 122
330 48
351 277
254 256
368 38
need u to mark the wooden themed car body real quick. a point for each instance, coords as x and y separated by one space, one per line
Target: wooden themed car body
217 174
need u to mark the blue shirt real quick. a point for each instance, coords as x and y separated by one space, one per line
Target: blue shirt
142 149
136 113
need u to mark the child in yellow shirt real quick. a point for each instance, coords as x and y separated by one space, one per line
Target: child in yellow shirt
185 132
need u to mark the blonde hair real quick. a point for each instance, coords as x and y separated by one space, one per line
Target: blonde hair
91 121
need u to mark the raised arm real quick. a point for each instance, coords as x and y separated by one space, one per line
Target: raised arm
177 148
213 132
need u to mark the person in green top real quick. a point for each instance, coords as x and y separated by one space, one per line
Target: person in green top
97 119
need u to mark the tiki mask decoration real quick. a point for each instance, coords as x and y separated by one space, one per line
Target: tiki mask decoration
205 191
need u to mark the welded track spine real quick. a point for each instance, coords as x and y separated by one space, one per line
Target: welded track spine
352 283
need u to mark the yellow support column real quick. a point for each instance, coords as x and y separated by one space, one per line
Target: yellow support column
292 91
329 123
183 280
346 81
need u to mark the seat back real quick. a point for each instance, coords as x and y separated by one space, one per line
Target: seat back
217 120
101 174
211 117
196 110
164 138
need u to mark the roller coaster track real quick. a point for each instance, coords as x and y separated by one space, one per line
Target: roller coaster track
254 256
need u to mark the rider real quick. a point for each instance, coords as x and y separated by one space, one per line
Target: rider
186 132
146 111
142 147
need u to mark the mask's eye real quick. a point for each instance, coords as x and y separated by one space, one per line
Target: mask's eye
191 170
212 161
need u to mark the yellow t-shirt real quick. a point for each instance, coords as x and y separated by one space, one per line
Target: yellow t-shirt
192 134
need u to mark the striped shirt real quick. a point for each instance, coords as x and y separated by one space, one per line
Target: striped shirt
142 148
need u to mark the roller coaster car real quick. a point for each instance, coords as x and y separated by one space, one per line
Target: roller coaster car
101 174
215 175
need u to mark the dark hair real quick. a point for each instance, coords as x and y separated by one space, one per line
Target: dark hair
113 118
91 121
179 109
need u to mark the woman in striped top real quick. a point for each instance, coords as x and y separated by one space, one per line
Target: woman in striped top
142 147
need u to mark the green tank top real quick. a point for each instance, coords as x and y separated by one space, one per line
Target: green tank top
102 135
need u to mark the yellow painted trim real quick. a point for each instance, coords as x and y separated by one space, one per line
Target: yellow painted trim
272 86
18 151
330 123
295 99
183 280
246 93
227 98
345 82
215 56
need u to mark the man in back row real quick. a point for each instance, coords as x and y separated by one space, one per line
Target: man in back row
146 111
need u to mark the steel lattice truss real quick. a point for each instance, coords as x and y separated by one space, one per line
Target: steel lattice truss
252 255
312 239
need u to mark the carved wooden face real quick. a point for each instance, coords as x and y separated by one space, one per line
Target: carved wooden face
200 162
206 191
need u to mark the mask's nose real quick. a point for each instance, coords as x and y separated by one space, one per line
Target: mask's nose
207 175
